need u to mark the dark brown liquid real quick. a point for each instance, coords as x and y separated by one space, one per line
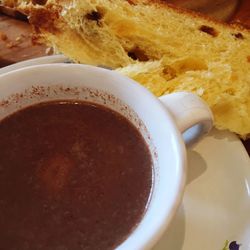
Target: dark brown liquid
72 176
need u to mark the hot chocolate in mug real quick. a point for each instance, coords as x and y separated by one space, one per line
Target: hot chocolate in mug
166 124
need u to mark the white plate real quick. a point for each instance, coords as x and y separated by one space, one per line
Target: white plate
36 61
216 206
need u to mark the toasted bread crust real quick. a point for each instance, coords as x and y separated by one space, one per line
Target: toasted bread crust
195 14
161 3
45 18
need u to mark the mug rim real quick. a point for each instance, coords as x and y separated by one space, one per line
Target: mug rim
179 144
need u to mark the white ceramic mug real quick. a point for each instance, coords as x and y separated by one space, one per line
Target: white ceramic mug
161 122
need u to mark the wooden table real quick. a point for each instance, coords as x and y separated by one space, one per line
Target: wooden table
16 42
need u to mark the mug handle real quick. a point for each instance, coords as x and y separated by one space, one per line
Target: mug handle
191 114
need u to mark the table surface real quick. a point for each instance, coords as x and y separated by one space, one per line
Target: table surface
16 40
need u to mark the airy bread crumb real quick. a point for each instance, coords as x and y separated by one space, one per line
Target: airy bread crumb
164 48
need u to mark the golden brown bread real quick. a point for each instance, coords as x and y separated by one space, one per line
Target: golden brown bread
163 48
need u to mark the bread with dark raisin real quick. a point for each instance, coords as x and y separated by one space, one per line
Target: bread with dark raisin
164 48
